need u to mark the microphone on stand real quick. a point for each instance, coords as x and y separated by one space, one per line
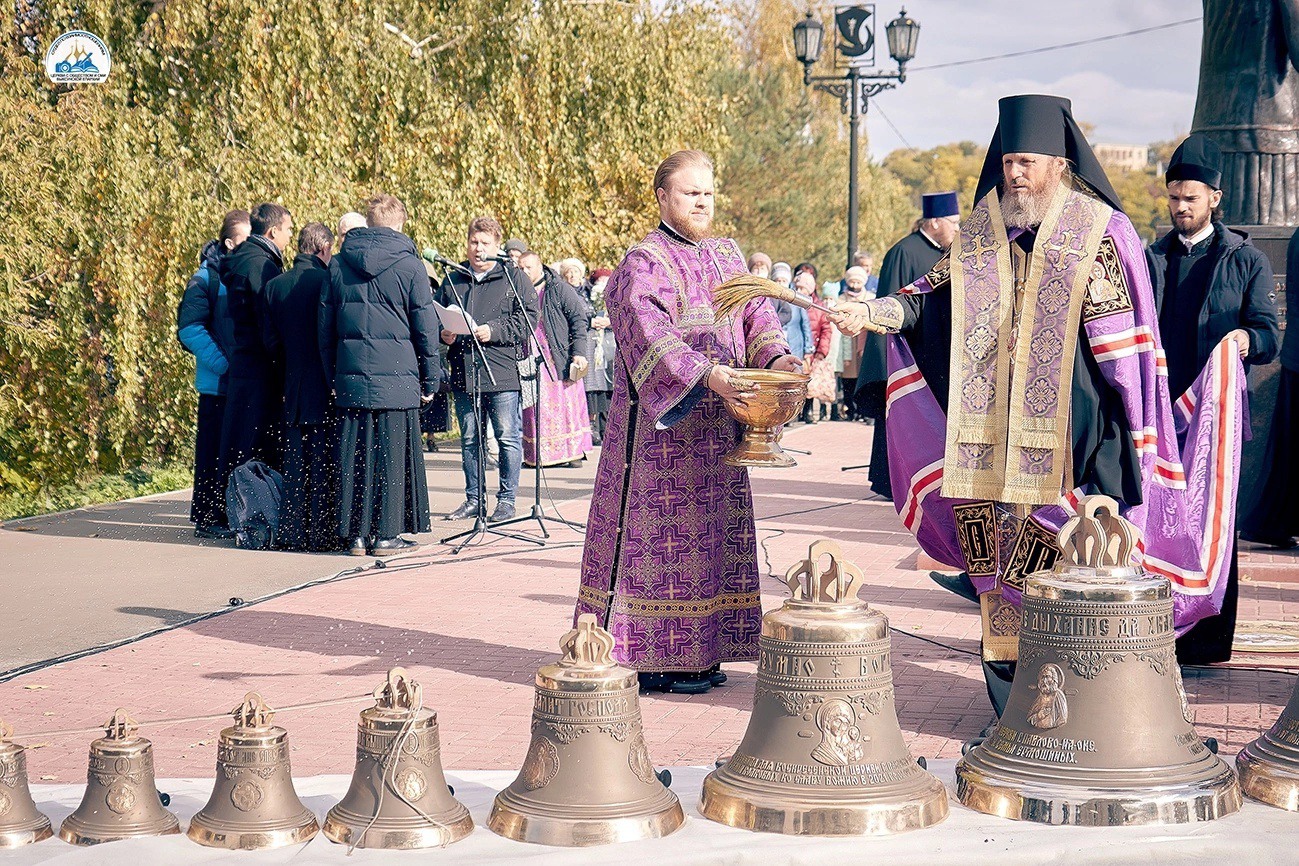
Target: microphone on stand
431 255
501 256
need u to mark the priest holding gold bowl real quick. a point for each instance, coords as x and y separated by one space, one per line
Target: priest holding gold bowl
670 563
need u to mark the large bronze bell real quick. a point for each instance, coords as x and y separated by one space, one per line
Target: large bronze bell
588 778
121 799
823 754
253 804
1097 731
399 796
1269 766
20 821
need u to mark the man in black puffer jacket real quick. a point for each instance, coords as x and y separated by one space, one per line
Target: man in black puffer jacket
378 338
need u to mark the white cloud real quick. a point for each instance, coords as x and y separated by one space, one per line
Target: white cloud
1133 90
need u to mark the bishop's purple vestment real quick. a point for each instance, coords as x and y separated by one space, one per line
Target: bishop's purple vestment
670 564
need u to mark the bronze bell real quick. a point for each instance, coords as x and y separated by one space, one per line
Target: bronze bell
823 754
399 796
1269 766
253 804
1096 730
20 822
588 778
121 799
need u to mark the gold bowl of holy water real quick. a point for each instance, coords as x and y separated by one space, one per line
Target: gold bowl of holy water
775 397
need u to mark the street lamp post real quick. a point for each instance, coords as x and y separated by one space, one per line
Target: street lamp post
855 87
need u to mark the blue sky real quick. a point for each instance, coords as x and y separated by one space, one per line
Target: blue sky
1134 90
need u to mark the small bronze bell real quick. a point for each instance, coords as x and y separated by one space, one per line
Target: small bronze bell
823 754
1269 766
20 822
399 796
121 798
253 804
588 778
1096 731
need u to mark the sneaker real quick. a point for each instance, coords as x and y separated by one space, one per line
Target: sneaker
356 547
393 546
467 510
504 511
211 530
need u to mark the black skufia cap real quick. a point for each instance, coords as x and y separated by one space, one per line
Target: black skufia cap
1197 158
1037 123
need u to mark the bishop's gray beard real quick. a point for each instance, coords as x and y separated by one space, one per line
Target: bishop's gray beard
1022 209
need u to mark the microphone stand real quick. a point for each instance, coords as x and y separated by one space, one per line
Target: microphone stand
537 513
481 528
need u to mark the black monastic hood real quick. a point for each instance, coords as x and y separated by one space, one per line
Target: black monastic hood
1035 123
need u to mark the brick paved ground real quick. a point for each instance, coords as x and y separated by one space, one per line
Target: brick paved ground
474 628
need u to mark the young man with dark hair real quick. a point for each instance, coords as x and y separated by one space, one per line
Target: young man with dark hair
1211 284
503 327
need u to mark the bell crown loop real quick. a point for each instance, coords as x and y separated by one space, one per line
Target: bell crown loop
120 726
837 584
1098 537
399 692
6 732
253 712
587 645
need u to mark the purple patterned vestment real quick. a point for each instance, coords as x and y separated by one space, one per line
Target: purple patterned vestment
1188 453
670 563
565 424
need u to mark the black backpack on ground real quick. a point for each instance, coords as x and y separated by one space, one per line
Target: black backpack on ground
253 497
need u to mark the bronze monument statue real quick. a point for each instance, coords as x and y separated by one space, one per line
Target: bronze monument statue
1248 103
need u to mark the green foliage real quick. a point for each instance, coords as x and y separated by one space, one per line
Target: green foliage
946 167
784 181
141 481
551 115
957 166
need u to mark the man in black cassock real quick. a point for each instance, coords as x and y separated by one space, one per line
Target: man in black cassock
309 513
249 429
907 261
1211 284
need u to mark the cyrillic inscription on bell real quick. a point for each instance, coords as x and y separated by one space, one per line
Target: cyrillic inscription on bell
1097 731
121 799
823 754
253 804
20 821
399 797
1269 766
588 778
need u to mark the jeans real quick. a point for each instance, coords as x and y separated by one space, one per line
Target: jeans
506 416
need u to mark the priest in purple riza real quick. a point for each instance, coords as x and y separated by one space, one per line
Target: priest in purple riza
670 565
1058 387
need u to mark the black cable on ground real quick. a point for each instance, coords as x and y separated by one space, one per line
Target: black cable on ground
390 565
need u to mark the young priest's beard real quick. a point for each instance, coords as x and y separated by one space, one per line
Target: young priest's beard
692 231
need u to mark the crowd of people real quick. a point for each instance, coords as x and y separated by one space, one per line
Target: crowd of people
1032 353
325 379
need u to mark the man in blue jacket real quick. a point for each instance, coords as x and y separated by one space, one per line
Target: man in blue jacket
203 327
